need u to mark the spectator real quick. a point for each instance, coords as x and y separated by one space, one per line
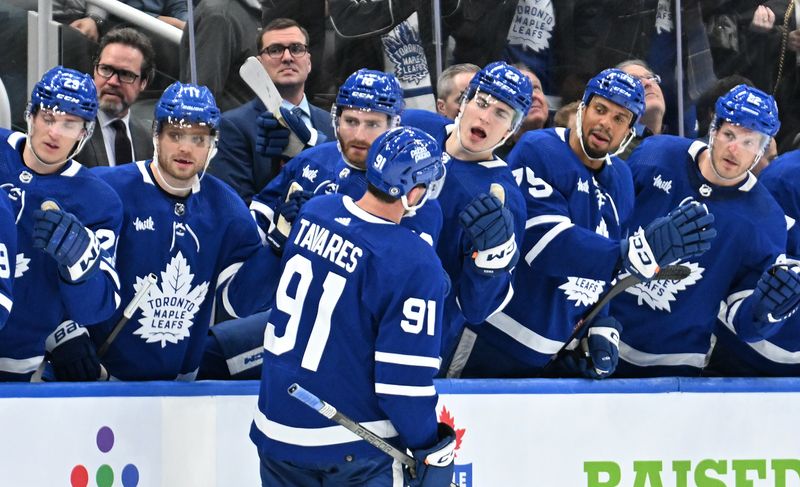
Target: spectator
452 83
283 51
537 115
565 116
652 120
123 68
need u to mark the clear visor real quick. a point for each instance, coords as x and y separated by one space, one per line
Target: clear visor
731 140
497 109
61 123
186 133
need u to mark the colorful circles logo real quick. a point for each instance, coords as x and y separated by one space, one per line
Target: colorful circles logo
105 474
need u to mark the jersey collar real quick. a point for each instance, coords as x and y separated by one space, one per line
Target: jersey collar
353 208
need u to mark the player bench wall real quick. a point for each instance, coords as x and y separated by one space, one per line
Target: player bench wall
546 433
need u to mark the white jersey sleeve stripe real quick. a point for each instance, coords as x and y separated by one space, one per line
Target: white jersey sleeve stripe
225 278
21 365
331 435
411 391
402 359
6 302
227 273
728 308
259 207
108 269
644 359
524 336
775 353
545 240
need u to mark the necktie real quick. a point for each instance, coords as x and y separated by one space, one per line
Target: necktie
298 112
122 145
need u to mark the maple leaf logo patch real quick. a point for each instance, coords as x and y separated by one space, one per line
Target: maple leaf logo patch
168 310
446 418
582 291
659 294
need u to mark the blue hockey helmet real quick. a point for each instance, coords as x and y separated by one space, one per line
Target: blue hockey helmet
750 108
507 84
402 158
65 90
367 89
186 103
619 87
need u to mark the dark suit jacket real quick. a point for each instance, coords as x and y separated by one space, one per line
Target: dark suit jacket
94 152
236 161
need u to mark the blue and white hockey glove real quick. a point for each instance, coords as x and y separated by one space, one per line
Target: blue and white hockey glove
308 136
73 246
285 214
435 464
271 136
597 354
686 232
490 227
777 294
72 353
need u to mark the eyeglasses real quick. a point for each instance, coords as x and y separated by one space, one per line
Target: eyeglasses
650 77
276 51
123 75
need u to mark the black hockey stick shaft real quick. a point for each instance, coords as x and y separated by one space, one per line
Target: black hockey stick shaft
330 412
149 280
666 273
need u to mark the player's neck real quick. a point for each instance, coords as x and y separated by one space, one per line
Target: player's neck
167 183
34 164
456 149
388 211
704 162
575 144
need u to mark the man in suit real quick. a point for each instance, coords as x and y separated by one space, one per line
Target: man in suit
242 162
123 67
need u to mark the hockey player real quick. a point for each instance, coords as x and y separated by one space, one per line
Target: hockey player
483 232
367 105
574 241
8 252
371 350
669 325
64 259
780 354
190 230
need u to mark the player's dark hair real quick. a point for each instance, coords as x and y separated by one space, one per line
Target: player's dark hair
280 24
135 39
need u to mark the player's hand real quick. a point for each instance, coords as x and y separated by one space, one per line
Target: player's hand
777 294
686 232
597 354
72 353
287 209
271 136
308 136
72 245
86 26
434 465
490 227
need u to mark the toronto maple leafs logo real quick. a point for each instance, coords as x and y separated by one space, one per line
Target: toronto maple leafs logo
405 51
22 265
602 228
533 25
582 291
659 294
664 17
168 310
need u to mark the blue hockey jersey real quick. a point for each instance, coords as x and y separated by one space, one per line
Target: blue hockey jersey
357 321
668 325
43 300
569 253
199 246
780 354
473 296
8 253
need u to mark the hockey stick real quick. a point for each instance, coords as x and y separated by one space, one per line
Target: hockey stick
330 412
253 73
667 273
149 280
283 225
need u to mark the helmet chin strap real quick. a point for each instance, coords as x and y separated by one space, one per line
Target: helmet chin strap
80 143
212 151
579 129
410 210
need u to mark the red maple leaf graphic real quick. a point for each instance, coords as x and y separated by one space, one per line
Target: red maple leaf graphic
447 418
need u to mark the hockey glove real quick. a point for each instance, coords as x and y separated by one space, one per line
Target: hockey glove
490 227
597 354
686 232
72 245
271 136
285 214
72 353
434 465
308 136
777 294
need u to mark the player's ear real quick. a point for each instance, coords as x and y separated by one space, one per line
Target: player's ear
440 105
